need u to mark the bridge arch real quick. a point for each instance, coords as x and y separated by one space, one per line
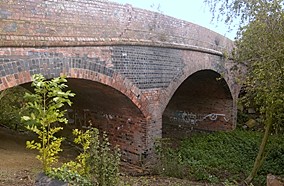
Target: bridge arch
144 55
120 109
202 101
18 69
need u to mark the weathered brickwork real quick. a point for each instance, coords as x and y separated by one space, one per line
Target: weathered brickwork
88 22
148 67
130 68
148 76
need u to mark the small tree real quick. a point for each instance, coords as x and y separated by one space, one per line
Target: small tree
45 108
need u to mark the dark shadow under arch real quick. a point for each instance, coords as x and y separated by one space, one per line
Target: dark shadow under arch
101 106
109 110
203 101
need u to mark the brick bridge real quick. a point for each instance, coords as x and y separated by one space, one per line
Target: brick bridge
130 68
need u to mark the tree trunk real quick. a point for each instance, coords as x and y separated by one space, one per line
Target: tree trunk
260 156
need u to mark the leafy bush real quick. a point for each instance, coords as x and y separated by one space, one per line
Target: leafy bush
218 156
12 101
66 174
97 164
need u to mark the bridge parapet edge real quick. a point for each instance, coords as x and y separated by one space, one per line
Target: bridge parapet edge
90 23
63 42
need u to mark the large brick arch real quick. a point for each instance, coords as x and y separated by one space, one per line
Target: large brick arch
118 82
101 106
126 129
18 69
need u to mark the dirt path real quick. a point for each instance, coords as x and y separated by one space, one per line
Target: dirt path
18 165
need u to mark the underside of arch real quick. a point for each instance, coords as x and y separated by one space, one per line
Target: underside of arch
103 107
203 101
109 110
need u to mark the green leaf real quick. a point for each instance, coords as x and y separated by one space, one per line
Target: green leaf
26 118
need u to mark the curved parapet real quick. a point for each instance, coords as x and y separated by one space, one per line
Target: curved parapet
88 23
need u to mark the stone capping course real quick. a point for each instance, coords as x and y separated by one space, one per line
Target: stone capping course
88 42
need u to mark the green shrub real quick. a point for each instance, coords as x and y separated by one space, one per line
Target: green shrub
67 174
97 164
12 102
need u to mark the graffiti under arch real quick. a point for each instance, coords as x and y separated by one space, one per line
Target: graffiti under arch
194 119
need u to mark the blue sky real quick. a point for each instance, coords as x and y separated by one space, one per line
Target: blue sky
193 11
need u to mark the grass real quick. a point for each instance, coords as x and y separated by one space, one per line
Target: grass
220 156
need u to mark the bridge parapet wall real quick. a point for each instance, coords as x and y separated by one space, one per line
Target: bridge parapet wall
89 23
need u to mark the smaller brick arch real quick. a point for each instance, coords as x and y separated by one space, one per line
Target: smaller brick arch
201 101
196 61
174 85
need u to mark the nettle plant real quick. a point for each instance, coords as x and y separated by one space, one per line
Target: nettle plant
45 108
